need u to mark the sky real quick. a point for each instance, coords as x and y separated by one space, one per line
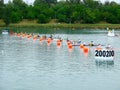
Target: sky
31 1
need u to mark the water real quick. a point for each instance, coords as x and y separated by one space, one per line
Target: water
30 65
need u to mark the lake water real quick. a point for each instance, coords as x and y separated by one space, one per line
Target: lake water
31 65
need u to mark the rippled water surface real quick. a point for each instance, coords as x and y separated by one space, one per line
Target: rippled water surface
31 65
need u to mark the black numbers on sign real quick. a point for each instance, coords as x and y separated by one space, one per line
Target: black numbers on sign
100 53
96 53
104 53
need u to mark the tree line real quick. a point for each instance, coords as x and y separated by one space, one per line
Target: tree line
66 11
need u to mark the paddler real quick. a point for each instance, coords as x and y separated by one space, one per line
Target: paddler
91 43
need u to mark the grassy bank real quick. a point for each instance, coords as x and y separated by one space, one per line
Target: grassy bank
72 26
62 25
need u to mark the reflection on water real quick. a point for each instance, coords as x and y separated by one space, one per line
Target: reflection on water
59 31
106 64
31 65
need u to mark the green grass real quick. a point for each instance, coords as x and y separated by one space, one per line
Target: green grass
26 23
73 26
2 23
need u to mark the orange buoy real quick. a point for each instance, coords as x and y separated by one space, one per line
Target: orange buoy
28 36
19 34
41 39
34 38
68 43
70 46
85 50
58 43
81 46
48 41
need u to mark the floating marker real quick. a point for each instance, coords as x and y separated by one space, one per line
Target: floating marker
81 46
85 49
70 46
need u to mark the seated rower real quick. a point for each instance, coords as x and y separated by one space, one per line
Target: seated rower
99 47
108 46
51 36
84 43
91 43
79 41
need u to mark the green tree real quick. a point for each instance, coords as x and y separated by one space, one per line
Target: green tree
48 2
68 11
91 3
30 12
89 16
118 15
62 18
20 5
1 8
42 19
15 17
74 1
6 14
78 13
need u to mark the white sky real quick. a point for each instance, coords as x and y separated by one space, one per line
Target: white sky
31 1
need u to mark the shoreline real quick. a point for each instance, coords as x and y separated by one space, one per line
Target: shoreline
64 26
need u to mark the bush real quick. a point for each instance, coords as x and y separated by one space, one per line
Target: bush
42 19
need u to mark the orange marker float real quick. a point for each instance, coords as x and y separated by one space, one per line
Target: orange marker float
81 46
19 34
35 37
41 39
70 46
48 41
85 50
58 44
68 43
28 36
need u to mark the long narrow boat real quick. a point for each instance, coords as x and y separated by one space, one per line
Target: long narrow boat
87 45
